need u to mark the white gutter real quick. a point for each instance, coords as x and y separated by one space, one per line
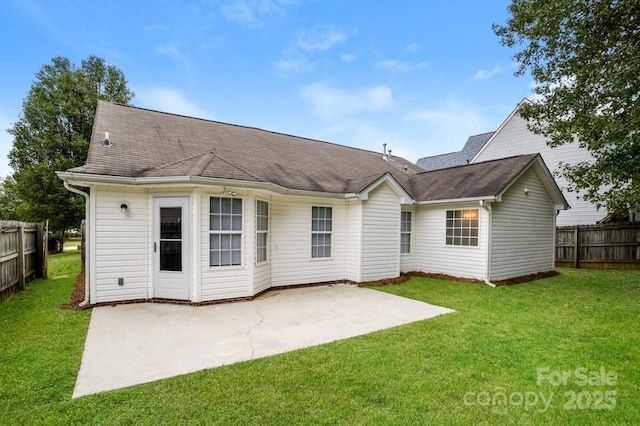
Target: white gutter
488 199
84 179
86 241
487 208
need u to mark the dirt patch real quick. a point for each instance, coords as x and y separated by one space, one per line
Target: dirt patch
527 278
398 280
77 296
512 281
444 277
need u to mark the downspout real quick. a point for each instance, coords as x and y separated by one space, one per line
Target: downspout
87 241
487 208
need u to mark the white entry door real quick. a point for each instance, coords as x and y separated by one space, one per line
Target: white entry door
171 248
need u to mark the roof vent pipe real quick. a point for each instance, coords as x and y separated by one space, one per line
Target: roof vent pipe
386 155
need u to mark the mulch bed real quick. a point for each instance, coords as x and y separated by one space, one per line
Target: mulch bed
77 296
78 292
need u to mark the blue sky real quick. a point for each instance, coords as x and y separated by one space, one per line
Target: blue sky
419 75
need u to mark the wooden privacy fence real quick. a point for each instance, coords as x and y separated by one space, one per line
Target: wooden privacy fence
23 255
606 246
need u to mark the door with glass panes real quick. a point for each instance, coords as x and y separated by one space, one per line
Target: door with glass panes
171 247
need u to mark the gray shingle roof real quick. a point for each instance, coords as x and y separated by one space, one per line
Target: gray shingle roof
475 180
145 143
452 159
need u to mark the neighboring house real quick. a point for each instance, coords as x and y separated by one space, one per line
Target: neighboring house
514 138
196 210
458 158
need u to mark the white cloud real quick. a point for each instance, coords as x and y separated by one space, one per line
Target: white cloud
482 74
293 66
169 49
348 57
294 58
168 99
251 12
401 66
413 47
329 102
315 39
448 126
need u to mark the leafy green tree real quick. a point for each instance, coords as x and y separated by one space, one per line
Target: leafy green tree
52 134
584 57
8 201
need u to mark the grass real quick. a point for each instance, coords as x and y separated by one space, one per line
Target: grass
414 374
71 243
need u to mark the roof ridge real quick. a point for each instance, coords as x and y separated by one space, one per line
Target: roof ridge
246 127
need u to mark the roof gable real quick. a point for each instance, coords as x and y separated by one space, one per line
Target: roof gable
477 181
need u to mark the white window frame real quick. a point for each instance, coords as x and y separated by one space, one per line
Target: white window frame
260 232
462 228
220 232
404 232
324 232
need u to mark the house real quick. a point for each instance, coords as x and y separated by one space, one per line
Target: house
514 138
188 209
459 158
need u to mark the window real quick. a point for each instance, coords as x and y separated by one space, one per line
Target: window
462 227
262 230
225 231
321 225
405 232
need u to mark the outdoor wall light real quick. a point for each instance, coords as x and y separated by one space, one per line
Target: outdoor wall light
124 208
526 191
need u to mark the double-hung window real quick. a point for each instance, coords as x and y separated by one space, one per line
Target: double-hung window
321 226
405 232
462 227
225 231
262 230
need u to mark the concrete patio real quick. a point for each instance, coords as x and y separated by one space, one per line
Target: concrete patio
138 343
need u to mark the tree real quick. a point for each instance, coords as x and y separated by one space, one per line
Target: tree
584 57
52 134
8 201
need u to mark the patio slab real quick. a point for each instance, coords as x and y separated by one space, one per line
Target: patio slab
131 344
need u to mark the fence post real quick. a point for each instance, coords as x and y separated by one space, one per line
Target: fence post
21 283
576 256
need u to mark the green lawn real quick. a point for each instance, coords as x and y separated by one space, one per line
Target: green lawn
454 369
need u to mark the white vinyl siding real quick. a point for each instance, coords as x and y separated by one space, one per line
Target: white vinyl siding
119 246
433 255
514 138
291 261
354 240
523 230
381 235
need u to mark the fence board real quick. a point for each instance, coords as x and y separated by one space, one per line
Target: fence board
606 246
21 256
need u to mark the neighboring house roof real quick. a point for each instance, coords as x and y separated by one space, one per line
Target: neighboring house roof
151 146
460 158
